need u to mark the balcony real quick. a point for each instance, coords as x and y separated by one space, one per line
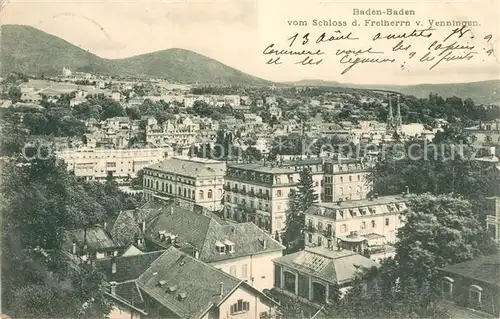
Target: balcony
227 188
328 233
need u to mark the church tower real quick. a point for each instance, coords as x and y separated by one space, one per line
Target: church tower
399 120
390 118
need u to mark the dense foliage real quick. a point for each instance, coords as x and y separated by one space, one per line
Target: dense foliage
40 199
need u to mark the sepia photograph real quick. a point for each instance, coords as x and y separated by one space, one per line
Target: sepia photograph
244 159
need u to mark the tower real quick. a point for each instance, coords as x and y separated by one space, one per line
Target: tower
399 121
390 118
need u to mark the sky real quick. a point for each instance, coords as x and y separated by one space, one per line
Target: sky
236 32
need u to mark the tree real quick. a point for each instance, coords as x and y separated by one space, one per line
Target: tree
39 200
303 198
14 94
439 231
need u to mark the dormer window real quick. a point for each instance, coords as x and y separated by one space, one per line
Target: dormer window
221 248
447 286
475 293
229 246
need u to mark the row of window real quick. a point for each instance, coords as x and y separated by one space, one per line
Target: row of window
240 307
188 193
475 291
243 202
343 227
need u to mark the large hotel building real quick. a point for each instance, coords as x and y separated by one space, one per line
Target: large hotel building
187 180
97 163
262 192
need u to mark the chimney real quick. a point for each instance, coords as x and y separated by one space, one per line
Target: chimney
113 265
407 190
105 225
143 226
112 286
171 210
196 254
221 288
264 244
73 250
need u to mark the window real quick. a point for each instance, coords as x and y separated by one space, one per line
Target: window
232 271
319 240
201 195
475 296
363 225
279 193
209 194
350 178
447 286
343 228
328 191
341 190
341 179
373 224
358 190
310 238
244 271
240 307
387 222
359 178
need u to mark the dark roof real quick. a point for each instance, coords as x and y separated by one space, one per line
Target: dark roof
199 281
202 231
485 269
130 292
331 265
127 267
95 238
127 225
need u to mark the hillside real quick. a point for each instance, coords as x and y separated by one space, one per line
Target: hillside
34 52
486 92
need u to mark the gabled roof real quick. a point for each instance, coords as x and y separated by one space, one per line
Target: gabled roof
331 265
95 238
202 231
127 225
485 269
198 281
127 267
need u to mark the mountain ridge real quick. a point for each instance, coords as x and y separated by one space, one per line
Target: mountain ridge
31 51
28 50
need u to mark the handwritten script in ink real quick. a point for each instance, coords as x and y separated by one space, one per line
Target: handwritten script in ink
345 48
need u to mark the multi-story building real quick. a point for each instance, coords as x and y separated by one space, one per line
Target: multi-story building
171 284
366 225
242 250
123 164
493 217
486 133
180 131
345 179
259 193
262 192
193 180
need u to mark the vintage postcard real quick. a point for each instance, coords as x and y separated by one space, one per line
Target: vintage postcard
249 159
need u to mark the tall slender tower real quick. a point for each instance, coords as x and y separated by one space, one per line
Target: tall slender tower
390 118
399 121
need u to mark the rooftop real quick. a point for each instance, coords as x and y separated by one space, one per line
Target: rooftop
193 167
127 267
335 266
186 286
201 232
261 168
95 238
381 200
484 269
